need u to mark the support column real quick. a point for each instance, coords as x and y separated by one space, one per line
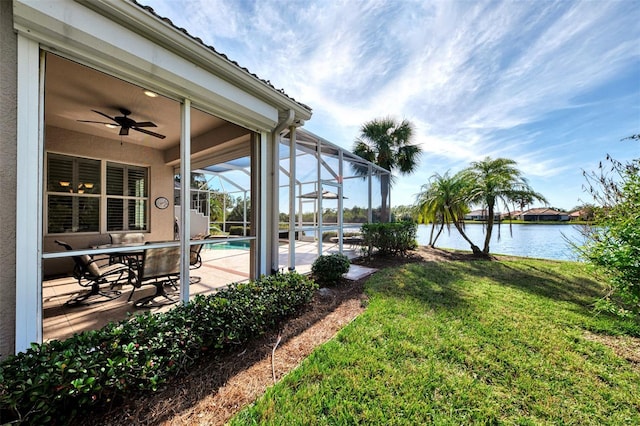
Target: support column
319 198
370 189
340 202
292 198
30 119
185 190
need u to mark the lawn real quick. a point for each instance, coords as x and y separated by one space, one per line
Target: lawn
466 342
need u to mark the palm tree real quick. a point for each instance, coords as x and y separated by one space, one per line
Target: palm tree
387 143
443 200
494 182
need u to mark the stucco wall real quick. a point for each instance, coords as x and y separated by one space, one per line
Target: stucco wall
84 145
8 95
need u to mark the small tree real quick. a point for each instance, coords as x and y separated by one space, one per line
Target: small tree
443 200
613 245
388 144
497 181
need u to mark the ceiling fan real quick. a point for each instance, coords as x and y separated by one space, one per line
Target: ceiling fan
126 123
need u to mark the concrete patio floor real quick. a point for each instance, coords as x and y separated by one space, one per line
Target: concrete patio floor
221 266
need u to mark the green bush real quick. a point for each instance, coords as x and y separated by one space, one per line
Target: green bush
56 381
394 239
612 244
237 230
328 269
328 235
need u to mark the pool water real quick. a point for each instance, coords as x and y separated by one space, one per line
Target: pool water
229 245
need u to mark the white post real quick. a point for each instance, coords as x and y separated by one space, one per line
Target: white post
262 212
340 202
319 192
185 205
30 119
292 198
370 212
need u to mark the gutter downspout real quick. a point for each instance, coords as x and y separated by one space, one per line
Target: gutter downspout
275 187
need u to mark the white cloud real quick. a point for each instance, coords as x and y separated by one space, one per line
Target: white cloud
477 78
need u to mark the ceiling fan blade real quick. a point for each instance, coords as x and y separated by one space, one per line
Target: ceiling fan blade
97 122
104 115
124 131
148 132
145 124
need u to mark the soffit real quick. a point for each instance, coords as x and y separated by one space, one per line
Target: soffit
125 40
72 91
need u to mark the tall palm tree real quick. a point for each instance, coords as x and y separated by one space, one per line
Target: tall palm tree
497 181
387 143
443 199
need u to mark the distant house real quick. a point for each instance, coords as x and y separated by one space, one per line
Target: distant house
511 215
480 215
582 214
544 214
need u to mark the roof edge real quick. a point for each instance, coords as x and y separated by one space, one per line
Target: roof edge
144 21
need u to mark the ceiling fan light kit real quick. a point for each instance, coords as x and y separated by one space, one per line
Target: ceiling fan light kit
125 123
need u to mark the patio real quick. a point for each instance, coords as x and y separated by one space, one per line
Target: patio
221 265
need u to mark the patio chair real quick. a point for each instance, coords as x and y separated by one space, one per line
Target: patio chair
89 274
160 267
195 260
127 238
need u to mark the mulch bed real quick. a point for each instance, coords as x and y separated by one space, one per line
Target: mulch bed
217 388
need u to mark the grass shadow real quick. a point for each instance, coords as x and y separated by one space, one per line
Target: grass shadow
428 282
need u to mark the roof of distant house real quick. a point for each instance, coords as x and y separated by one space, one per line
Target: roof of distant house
543 211
215 52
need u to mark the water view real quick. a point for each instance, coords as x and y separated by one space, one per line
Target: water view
541 241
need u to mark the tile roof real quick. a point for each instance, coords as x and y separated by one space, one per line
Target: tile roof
543 211
215 52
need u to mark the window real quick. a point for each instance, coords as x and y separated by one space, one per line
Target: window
126 197
77 198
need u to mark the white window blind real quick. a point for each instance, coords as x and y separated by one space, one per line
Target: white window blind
76 195
127 197
73 191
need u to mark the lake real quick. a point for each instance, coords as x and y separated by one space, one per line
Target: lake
542 241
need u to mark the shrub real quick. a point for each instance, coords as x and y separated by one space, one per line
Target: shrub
237 230
394 239
56 381
328 235
612 245
328 269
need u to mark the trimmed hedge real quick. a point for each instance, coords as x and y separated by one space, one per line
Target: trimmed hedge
395 238
328 269
51 383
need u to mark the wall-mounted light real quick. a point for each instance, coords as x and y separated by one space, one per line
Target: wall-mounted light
64 183
88 185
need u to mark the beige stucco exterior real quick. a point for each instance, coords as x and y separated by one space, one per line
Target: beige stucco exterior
8 108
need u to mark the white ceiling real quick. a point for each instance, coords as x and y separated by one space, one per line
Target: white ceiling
72 91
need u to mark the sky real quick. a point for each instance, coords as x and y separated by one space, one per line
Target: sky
554 86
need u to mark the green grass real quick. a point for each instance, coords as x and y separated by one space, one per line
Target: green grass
465 343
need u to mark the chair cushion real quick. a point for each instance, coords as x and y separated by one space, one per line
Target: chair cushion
90 265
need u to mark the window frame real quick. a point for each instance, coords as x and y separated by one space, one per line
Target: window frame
102 196
126 197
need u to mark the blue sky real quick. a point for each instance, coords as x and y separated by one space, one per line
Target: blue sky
552 85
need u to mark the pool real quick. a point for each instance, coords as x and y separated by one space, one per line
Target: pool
229 245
